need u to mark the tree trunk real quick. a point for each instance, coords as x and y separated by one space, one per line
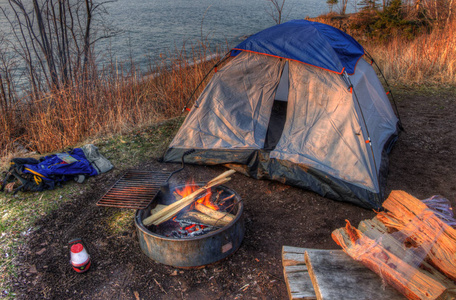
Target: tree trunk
46 48
86 48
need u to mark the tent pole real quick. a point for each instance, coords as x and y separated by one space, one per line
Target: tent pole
368 141
389 88
204 78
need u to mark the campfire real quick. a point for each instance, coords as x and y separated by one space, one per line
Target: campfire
211 211
192 225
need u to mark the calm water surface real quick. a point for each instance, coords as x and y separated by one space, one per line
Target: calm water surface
151 27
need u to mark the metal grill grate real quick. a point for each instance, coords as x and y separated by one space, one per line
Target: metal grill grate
135 189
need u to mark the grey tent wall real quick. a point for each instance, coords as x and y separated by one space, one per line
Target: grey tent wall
374 107
257 164
321 131
234 109
213 147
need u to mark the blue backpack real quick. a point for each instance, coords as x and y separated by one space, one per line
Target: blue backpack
50 171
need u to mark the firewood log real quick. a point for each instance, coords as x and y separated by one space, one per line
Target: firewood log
415 220
173 209
157 208
376 230
203 219
209 211
227 217
406 279
176 207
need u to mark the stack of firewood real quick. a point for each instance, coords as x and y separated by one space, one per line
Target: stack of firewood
408 246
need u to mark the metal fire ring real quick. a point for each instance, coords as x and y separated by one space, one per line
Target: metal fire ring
194 251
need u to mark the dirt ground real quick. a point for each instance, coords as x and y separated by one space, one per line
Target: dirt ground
422 163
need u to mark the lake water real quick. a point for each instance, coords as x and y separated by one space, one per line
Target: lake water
151 27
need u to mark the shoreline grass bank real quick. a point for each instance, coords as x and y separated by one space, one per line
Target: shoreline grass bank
118 100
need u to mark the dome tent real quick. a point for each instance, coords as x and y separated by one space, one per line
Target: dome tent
297 103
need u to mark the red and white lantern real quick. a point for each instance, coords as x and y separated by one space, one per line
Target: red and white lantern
80 259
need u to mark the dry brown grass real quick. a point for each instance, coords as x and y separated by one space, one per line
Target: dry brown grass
428 59
118 101
115 101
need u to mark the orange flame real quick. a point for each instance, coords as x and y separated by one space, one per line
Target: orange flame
206 200
190 187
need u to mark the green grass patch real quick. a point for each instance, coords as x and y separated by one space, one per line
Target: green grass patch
121 222
19 213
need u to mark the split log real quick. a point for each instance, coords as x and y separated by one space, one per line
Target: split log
203 219
176 207
406 279
227 217
219 215
416 221
173 209
376 230
157 208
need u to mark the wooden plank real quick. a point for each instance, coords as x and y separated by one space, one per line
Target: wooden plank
335 276
295 256
292 256
174 208
298 282
299 285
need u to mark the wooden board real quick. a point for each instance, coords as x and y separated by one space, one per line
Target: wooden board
292 256
298 282
337 276
299 285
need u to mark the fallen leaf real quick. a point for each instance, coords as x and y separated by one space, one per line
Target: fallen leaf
174 273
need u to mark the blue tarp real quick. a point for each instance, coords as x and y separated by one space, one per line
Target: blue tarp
312 43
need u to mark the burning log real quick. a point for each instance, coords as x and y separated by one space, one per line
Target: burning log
173 209
215 214
408 280
227 217
204 219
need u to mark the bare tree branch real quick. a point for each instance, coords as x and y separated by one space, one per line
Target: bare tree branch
276 10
